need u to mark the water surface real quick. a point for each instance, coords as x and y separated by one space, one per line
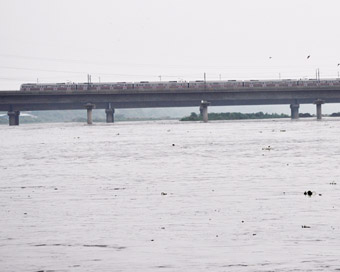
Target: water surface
170 196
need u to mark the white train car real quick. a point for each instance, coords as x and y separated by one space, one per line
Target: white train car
330 82
160 85
215 85
110 86
270 83
174 85
48 87
319 83
230 84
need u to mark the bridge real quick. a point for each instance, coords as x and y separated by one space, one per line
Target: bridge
15 101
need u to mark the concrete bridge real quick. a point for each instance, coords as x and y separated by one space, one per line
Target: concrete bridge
15 101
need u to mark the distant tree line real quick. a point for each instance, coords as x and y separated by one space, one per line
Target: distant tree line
304 115
239 116
234 116
78 116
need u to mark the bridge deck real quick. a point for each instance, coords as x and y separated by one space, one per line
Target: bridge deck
54 100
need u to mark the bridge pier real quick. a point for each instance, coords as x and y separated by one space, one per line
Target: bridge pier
110 115
294 108
89 108
318 104
13 118
204 110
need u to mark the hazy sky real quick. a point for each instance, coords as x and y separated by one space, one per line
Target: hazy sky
132 40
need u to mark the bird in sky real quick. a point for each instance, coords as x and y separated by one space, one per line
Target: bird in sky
308 56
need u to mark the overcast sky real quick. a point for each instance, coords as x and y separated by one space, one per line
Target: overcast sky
133 40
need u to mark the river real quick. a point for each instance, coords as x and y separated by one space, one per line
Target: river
171 196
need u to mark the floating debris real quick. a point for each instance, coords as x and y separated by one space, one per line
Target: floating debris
333 183
173 144
282 130
267 148
95 246
305 227
309 193
162 193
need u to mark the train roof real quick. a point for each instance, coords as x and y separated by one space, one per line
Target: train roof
179 82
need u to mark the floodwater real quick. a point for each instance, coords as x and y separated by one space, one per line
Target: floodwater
171 196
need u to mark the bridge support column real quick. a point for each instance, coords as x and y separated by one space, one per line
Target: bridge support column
204 110
17 113
110 115
318 104
294 108
13 118
89 108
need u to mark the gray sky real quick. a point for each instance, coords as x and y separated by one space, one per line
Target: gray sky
132 40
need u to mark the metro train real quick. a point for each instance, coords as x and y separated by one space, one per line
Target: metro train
174 85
